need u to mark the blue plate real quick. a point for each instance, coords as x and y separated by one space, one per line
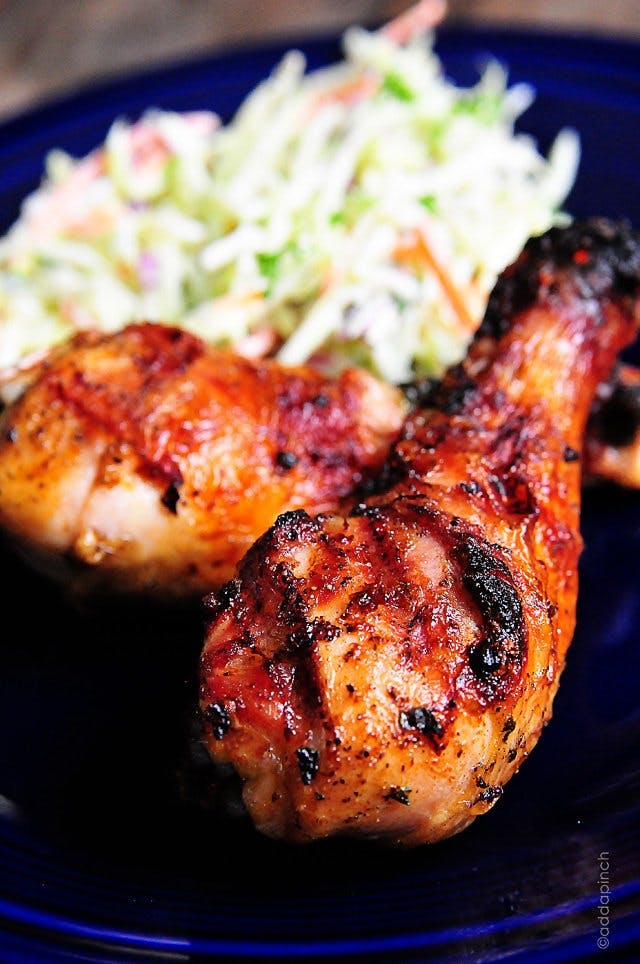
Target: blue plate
104 851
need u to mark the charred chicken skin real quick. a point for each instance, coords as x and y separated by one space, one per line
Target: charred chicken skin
387 671
144 460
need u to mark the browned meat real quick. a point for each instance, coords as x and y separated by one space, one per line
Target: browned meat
386 672
143 460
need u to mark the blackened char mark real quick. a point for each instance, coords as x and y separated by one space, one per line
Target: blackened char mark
420 394
392 472
454 394
295 526
508 728
449 396
310 632
399 794
617 420
308 763
421 718
603 256
216 603
488 796
498 656
286 460
171 497
290 527
570 454
424 721
293 607
217 716
363 511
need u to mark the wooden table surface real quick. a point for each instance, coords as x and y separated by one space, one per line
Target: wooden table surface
49 48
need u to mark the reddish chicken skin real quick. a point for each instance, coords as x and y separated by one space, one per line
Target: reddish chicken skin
385 673
612 440
144 460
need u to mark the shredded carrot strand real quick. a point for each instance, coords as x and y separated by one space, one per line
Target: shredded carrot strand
416 250
351 92
424 15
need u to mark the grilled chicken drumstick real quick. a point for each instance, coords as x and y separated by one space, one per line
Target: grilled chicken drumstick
387 672
144 460
612 440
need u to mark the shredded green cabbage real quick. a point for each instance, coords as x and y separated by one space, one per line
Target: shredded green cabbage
356 214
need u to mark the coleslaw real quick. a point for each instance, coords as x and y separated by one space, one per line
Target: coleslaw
358 214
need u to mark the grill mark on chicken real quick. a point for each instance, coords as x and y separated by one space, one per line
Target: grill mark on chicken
396 596
497 658
217 603
293 608
308 763
171 496
392 472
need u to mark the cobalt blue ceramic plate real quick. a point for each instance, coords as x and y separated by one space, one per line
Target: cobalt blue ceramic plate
102 855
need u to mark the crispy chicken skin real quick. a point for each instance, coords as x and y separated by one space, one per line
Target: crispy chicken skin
144 460
386 672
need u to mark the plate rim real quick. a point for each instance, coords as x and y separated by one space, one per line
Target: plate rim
21 125
583 40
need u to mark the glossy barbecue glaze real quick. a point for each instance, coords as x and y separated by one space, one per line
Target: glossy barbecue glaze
612 441
143 460
387 672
